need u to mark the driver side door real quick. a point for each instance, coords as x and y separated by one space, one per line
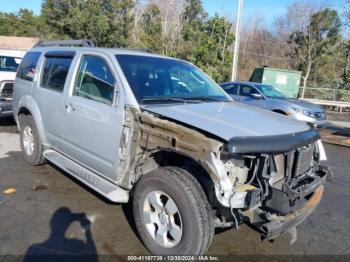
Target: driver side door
92 120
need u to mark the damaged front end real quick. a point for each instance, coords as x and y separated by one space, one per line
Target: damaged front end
272 183
284 180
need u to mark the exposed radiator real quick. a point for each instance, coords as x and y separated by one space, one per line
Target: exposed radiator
303 160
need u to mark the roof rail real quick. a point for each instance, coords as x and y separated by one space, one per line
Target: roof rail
81 42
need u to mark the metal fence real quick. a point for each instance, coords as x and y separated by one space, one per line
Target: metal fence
331 94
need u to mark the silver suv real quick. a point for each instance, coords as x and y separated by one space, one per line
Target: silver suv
157 130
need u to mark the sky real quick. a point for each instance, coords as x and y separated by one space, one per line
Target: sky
268 9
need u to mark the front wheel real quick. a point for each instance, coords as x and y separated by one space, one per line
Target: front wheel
172 213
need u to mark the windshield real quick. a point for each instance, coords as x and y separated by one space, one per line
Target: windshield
9 64
270 91
154 79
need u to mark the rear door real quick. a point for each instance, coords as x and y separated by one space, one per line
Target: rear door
49 93
92 119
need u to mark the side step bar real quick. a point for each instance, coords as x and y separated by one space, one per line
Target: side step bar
97 183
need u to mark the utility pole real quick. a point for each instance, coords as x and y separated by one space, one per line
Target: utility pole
237 39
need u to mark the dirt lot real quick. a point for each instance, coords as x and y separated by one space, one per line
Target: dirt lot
47 210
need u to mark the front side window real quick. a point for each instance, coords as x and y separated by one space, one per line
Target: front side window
55 73
247 91
162 79
231 89
95 80
26 70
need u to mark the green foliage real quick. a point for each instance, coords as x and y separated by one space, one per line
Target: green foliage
346 71
203 41
212 53
193 20
24 23
152 28
206 41
107 22
319 49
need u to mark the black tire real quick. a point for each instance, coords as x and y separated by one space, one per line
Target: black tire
36 158
196 214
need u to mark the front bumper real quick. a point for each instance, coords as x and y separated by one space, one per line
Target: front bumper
6 108
281 224
272 225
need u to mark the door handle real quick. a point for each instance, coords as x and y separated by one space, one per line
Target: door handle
69 107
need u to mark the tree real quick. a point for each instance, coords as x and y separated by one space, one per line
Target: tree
107 22
321 37
24 23
152 28
212 54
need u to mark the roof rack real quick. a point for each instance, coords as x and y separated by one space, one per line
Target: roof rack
81 42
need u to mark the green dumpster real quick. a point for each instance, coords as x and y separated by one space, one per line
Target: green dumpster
286 81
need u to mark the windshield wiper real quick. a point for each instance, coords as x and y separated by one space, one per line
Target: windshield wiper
206 98
167 99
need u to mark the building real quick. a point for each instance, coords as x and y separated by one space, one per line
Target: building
17 43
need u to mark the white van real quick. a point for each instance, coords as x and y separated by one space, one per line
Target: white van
9 61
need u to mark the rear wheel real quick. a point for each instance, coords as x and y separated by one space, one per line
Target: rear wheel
31 146
172 213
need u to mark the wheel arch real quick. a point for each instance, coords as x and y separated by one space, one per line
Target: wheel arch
28 106
197 169
279 111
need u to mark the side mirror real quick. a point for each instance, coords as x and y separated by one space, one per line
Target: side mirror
257 96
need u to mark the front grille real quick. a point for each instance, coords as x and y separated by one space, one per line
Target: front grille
304 159
7 90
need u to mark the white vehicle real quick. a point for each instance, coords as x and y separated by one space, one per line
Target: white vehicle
9 61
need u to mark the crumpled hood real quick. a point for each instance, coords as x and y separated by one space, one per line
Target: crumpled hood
229 119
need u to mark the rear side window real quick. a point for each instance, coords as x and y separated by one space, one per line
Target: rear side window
27 68
231 89
55 72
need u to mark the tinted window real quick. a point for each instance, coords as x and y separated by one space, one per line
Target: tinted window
55 73
247 90
26 70
95 80
231 89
